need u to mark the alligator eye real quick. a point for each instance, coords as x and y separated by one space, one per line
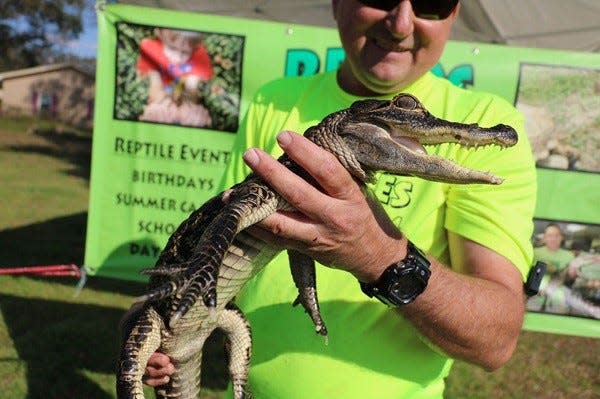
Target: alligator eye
406 101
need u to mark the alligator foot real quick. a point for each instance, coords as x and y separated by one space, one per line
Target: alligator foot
189 281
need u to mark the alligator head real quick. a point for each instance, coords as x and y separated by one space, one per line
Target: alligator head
376 135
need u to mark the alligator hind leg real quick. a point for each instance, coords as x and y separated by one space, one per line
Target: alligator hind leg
303 273
142 340
239 345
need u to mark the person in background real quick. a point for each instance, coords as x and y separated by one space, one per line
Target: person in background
553 295
175 62
556 258
476 238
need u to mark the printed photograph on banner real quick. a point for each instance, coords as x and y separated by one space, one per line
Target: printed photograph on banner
178 77
571 252
562 115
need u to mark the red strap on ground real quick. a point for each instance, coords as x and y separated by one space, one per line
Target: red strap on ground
49 270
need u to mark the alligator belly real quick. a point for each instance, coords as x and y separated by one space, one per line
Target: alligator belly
245 258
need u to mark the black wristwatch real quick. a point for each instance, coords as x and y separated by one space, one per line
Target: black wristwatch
402 282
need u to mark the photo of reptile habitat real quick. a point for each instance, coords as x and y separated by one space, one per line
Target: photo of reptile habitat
178 77
562 114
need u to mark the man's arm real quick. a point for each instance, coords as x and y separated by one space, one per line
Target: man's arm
474 313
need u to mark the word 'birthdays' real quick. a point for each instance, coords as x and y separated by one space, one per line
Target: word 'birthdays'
172 180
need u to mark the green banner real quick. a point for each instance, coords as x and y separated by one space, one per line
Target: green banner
149 171
172 88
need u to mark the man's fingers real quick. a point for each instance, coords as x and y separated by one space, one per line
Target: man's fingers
322 165
159 360
158 370
296 191
285 230
155 376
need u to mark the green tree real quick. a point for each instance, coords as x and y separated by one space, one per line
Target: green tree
31 29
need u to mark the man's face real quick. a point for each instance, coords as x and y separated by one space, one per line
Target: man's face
552 238
387 51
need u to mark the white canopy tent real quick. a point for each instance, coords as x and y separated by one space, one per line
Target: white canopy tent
552 24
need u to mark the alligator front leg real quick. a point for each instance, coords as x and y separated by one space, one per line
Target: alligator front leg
141 342
304 275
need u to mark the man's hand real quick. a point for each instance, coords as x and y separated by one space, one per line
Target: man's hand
158 370
337 225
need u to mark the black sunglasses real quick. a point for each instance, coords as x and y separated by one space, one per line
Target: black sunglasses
426 9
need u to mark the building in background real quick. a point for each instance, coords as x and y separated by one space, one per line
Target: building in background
59 91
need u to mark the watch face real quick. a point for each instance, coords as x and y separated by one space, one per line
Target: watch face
405 289
410 281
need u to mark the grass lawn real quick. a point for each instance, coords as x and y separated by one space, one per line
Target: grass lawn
57 345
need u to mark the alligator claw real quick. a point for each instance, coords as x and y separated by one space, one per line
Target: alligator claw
210 298
174 319
161 292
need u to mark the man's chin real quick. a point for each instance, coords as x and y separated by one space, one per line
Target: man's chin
386 82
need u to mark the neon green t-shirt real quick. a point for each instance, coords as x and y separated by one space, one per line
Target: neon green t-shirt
372 351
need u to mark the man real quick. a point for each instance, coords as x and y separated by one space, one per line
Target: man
476 237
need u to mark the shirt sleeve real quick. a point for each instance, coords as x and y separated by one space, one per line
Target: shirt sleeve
248 136
498 216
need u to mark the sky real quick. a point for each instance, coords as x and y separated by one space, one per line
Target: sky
86 44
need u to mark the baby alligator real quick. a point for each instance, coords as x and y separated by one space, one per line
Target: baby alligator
211 257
